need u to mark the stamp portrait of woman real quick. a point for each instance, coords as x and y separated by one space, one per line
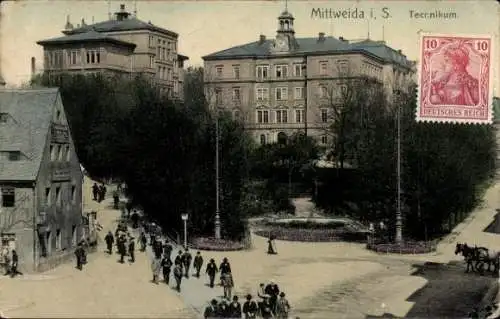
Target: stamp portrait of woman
452 84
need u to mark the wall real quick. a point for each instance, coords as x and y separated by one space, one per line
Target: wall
65 214
18 220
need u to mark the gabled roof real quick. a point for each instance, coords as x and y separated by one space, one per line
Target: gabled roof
312 46
129 24
29 117
88 36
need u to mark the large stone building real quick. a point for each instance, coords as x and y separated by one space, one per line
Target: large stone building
280 86
40 179
123 45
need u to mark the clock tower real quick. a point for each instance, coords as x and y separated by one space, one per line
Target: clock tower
285 37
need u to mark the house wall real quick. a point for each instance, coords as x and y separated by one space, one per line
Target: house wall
58 195
18 221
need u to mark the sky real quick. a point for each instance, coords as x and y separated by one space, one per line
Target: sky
205 27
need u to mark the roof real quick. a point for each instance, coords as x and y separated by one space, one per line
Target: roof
182 57
129 24
88 36
311 46
30 114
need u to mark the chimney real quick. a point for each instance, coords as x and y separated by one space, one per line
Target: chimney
33 68
83 23
262 39
400 52
342 39
321 37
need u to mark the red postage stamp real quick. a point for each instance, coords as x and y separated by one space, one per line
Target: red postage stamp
455 79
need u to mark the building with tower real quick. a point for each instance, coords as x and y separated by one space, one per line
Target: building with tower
121 45
279 86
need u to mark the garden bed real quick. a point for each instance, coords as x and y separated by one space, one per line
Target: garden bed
212 244
406 248
310 235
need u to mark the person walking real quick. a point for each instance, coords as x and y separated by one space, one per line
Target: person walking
155 268
178 276
157 248
225 268
235 308
95 191
270 246
186 260
143 240
79 253
250 308
198 263
166 265
227 284
178 258
122 249
15 262
167 249
116 199
110 240
211 310
131 249
282 307
211 271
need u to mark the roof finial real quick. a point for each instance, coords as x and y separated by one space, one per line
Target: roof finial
383 33
368 20
286 5
135 9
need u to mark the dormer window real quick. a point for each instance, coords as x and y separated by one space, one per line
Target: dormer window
3 117
58 115
14 156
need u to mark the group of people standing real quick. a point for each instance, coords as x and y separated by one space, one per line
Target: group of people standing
272 304
125 243
10 262
99 192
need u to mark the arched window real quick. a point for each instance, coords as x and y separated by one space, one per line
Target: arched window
262 139
282 138
281 25
287 25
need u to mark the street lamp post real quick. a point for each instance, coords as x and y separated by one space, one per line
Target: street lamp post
217 190
399 218
184 219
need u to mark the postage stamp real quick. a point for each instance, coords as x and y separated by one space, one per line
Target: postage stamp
455 79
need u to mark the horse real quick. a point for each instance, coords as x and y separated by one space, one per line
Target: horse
489 257
227 284
469 254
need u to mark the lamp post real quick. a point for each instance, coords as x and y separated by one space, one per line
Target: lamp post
217 190
399 218
184 219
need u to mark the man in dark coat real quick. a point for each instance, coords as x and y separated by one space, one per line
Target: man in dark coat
211 310
158 249
223 310
178 258
186 260
178 276
235 308
116 199
167 249
79 253
131 249
122 249
273 291
143 240
110 240
15 261
95 191
225 268
198 263
166 266
250 308
211 271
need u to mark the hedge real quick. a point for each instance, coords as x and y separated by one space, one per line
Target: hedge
213 244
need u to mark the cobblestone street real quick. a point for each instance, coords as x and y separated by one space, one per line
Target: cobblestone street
341 280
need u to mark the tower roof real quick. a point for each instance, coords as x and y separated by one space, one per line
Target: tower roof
286 15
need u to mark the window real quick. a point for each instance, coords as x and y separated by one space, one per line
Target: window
262 139
151 41
218 96
262 71
281 94
281 71
59 152
262 94
236 94
218 71
73 235
53 154
299 116
323 92
58 240
299 93
343 90
151 61
164 53
48 196
58 196
73 193
324 116
297 69
343 67
8 196
3 117
323 66
73 57
324 139
48 243
68 153
262 116
93 57
14 156
236 71
282 116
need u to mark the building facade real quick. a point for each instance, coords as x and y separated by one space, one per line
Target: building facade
280 86
123 45
40 179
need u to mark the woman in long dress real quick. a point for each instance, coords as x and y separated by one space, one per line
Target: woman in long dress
155 268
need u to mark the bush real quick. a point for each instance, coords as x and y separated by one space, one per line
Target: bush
404 248
213 244
311 235
307 224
